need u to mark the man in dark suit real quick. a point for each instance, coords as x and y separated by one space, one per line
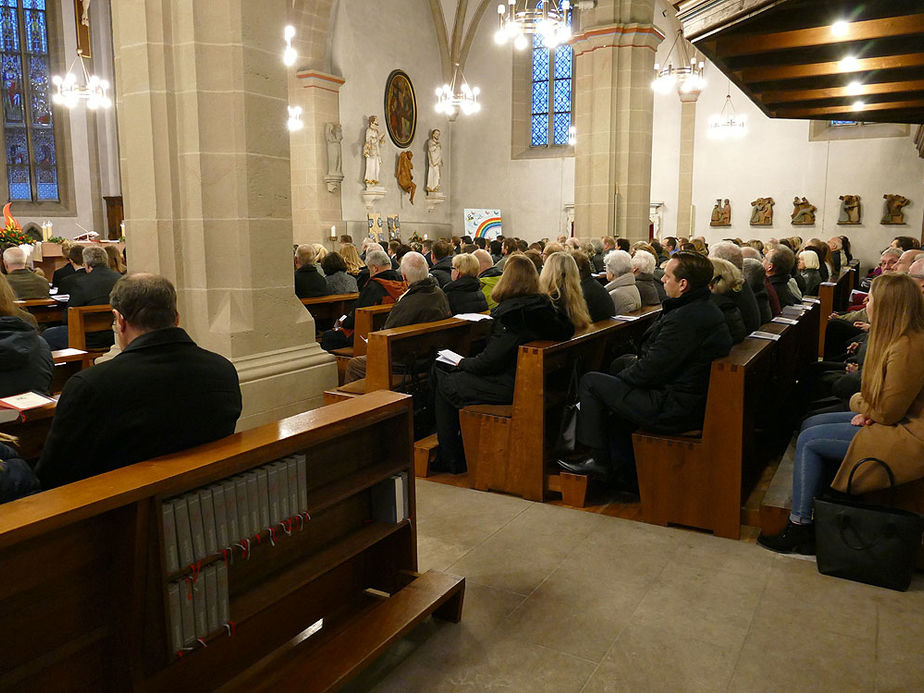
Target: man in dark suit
92 290
63 279
160 395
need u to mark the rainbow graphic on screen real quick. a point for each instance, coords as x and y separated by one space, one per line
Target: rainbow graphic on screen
483 223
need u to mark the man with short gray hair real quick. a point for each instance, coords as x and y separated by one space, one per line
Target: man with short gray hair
25 284
309 280
384 286
424 301
92 290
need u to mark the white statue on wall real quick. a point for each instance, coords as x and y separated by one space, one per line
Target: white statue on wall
372 152
435 160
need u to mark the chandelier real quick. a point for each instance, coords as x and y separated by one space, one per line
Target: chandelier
68 92
289 54
548 18
457 96
687 77
727 124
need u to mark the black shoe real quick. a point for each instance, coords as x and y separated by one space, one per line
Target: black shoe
793 539
587 467
437 466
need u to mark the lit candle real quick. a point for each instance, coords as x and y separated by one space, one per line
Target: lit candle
122 228
333 232
426 236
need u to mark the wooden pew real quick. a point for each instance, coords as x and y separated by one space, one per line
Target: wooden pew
327 309
389 350
507 446
87 319
46 311
834 296
366 321
96 615
31 430
67 362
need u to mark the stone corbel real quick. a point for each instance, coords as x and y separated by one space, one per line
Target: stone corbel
434 200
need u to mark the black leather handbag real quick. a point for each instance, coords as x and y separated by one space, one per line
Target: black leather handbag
867 543
566 441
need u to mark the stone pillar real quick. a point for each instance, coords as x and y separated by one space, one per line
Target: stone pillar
205 173
316 201
685 179
613 106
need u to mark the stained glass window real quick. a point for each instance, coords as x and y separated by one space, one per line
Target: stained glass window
551 94
28 121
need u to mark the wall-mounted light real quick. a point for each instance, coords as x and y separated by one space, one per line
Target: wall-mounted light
289 55
295 118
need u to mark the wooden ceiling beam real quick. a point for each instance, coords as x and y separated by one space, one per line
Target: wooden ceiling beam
772 73
867 30
787 96
846 111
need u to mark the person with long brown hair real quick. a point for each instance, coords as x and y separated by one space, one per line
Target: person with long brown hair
886 418
561 281
523 314
115 259
25 358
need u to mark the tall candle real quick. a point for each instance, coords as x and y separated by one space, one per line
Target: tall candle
333 232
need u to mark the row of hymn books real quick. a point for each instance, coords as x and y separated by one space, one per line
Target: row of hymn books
207 522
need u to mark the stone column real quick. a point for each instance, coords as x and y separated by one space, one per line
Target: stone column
204 154
316 201
685 179
613 105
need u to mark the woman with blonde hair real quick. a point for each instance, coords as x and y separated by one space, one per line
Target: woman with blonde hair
351 259
561 280
886 418
25 358
726 287
320 253
523 314
464 288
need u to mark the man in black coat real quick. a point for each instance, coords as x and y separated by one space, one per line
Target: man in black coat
664 390
309 280
441 254
91 290
161 394
62 278
779 263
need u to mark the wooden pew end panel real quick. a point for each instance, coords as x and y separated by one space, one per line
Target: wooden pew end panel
486 438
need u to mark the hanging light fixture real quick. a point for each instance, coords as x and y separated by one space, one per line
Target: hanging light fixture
68 92
289 55
687 77
457 96
548 18
728 123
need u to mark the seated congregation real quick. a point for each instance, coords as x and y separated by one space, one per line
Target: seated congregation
642 326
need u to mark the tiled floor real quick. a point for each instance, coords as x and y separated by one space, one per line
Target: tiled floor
562 600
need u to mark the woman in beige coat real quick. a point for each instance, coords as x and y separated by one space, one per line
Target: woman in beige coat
887 417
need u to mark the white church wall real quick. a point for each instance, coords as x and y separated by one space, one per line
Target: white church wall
532 194
369 41
776 159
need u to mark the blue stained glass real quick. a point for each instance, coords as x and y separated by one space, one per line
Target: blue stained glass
540 130
563 62
38 83
17 152
562 96
8 3
12 89
34 4
36 34
9 29
20 188
540 97
562 121
540 65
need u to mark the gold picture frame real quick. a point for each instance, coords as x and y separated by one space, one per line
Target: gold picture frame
400 109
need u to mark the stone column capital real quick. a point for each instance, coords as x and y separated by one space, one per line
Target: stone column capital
688 97
617 36
315 79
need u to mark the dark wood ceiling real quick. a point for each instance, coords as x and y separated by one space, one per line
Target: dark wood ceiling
784 55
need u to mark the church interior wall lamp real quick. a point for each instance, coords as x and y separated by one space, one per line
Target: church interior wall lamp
457 96
548 18
69 92
687 77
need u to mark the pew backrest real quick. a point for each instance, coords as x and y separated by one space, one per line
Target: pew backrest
834 296
44 310
331 307
85 319
365 322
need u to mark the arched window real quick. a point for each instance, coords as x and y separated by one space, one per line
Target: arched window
28 122
551 94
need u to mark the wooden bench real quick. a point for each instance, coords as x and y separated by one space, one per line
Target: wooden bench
365 321
31 430
46 311
390 350
834 296
96 615
86 319
67 362
327 309
507 447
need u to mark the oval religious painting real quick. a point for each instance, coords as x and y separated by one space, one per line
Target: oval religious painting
400 108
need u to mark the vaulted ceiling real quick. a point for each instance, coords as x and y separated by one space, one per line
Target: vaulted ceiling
788 56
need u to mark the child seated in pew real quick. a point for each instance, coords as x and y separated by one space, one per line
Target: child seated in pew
523 314
886 420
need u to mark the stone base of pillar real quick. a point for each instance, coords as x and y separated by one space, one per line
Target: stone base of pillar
371 196
281 383
434 200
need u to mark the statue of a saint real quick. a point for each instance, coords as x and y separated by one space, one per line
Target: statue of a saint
726 214
333 133
372 152
405 176
435 160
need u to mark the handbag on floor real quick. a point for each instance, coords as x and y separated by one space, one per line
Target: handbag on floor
566 441
874 544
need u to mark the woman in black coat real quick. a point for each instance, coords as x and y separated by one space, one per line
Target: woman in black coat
522 315
25 359
464 290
